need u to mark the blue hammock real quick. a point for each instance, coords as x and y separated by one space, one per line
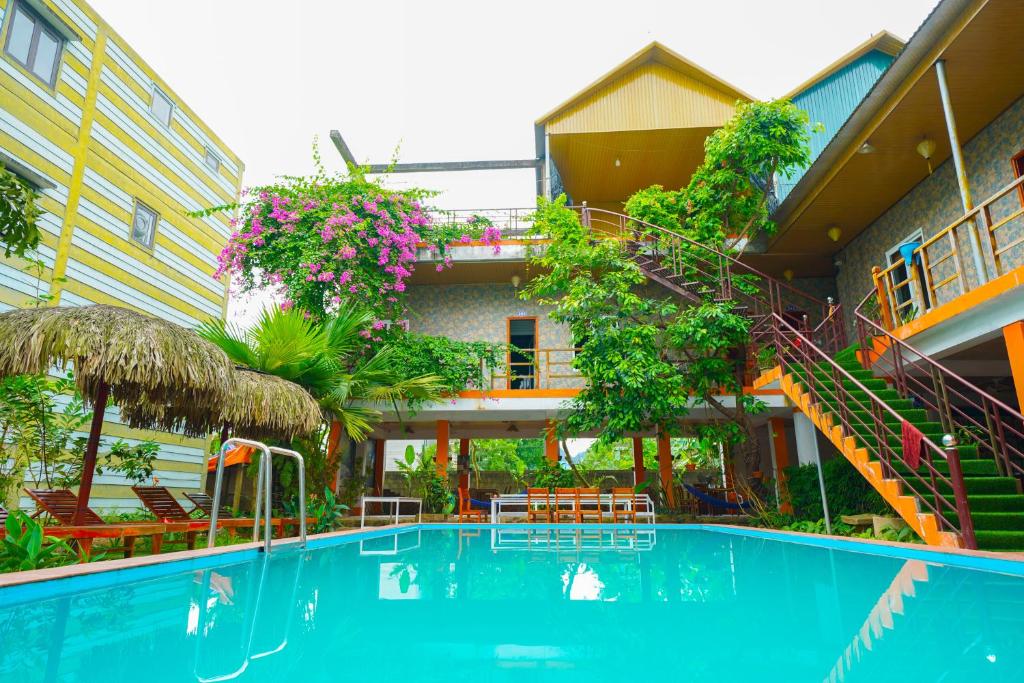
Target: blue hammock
717 502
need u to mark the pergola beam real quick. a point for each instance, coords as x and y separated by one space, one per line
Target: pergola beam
435 166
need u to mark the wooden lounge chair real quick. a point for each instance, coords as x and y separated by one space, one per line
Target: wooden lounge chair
538 505
466 509
588 505
204 503
61 504
566 503
624 504
162 503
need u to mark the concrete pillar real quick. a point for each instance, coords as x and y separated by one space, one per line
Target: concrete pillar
378 466
806 439
780 460
1013 335
639 475
462 464
550 442
665 468
441 458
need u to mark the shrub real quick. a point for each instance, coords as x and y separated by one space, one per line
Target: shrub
848 492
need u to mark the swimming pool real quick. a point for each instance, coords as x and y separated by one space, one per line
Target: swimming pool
443 603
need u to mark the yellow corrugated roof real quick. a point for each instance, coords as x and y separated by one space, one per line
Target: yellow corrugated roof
655 53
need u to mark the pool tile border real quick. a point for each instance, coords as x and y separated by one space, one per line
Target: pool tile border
41 582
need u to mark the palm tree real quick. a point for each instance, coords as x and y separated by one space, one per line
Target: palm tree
328 360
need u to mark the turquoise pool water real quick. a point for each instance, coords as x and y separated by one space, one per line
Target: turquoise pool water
472 604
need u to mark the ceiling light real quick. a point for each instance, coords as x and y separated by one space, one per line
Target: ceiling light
512 428
866 148
788 274
834 233
617 162
515 281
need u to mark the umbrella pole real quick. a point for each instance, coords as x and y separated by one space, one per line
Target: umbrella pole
99 404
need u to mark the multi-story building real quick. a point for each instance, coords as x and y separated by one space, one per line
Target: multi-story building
119 161
906 228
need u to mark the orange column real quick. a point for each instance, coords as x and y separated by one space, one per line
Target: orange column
550 442
665 468
1013 335
780 447
378 467
463 464
441 459
639 475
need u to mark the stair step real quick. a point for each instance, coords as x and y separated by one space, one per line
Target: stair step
975 467
993 521
1000 541
988 502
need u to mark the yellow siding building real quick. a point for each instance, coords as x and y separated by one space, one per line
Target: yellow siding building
119 161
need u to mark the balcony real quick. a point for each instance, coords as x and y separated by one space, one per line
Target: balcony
977 255
530 370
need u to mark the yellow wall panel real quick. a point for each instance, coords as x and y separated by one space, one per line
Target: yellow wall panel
650 97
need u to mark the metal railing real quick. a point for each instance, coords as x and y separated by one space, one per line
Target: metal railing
688 264
992 237
264 487
514 223
862 413
976 417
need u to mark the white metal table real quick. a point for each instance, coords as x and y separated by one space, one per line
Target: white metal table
500 505
390 500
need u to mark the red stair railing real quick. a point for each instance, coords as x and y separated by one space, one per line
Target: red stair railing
965 410
761 294
798 355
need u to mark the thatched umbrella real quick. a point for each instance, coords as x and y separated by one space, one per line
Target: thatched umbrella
115 354
260 406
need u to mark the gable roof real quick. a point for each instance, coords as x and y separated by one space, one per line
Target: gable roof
654 53
883 42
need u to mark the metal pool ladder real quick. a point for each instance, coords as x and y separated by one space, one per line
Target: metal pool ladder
264 486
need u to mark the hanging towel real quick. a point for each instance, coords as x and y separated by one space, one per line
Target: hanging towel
912 441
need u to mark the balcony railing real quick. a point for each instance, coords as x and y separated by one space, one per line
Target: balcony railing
514 222
538 369
981 245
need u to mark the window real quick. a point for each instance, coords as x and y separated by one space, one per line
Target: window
161 106
34 44
908 289
522 357
144 224
212 160
1017 162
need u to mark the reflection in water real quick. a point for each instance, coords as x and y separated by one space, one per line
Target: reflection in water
461 605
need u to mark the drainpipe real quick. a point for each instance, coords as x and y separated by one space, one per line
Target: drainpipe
961 169
547 166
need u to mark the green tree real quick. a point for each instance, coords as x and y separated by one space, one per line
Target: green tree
18 214
650 359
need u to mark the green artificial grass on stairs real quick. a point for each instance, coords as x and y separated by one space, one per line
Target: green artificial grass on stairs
997 508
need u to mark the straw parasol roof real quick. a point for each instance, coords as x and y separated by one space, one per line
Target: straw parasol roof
118 354
260 406
135 355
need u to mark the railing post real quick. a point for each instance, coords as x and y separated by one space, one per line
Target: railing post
883 299
956 476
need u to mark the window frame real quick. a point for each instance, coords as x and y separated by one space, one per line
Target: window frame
510 380
40 25
915 236
209 154
158 92
139 204
1017 166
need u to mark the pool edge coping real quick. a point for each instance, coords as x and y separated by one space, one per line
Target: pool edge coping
983 560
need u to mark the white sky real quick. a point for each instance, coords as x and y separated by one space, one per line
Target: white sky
457 80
